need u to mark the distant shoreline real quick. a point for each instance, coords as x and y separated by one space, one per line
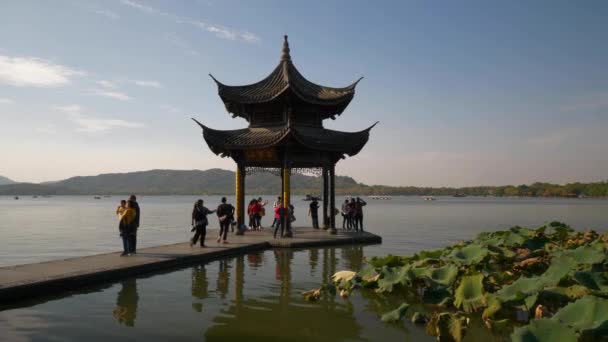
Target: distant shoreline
219 182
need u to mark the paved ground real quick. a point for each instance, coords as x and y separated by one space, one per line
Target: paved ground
26 281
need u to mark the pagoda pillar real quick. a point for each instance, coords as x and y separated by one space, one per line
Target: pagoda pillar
240 198
325 198
287 199
332 198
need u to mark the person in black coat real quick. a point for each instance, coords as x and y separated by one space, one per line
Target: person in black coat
133 236
199 222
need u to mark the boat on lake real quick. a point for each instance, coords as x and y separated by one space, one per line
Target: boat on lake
310 197
380 197
430 198
16 197
97 197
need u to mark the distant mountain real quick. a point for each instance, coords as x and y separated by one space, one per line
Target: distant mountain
171 182
221 182
4 180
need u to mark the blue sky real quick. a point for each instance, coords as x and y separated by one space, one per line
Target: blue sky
467 93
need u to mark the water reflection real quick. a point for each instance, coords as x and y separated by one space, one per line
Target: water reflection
200 286
283 313
126 303
223 278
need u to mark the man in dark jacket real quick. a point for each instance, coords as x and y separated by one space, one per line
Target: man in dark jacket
133 236
225 213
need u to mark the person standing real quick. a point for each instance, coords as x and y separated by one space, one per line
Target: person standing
250 214
359 204
121 208
127 227
279 217
199 222
345 213
352 209
313 212
262 213
133 241
225 214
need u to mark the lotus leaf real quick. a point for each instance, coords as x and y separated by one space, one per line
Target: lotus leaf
444 275
494 305
469 255
544 330
338 277
520 289
387 280
530 301
593 280
588 314
397 314
438 296
585 254
470 294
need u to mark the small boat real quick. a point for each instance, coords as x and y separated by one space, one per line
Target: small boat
107 196
380 197
97 197
431 198
16 197
459 195
310 197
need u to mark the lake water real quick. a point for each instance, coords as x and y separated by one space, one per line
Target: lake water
256 296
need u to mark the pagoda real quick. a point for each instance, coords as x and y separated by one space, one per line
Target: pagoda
285 112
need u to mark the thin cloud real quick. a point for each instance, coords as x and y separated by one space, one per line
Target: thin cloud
153 84
106 84
107 13
141 7
219 31
93 124
35 72
112 94
4 100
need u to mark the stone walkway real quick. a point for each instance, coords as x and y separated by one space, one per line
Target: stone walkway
45 278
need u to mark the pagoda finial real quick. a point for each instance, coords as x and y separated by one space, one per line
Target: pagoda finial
285 52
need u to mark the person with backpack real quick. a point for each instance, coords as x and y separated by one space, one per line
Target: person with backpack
359 204
199 222
225 214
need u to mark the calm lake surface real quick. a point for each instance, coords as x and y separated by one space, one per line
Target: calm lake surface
256 296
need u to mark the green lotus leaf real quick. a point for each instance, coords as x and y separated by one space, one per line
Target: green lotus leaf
470 254
397 314
588 314
564 294
438 296
593 280
558 269
393 276
470 294
520 289
531 300
585 254
494 305
544 330
444 275
389 260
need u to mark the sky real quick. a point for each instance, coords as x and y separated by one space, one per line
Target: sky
467 92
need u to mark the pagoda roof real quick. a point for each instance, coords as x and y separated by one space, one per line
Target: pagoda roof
283 78
315 138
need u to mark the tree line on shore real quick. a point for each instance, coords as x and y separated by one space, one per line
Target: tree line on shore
221 182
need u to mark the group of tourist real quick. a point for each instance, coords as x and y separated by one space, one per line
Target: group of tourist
128 213
256 210
129 217
225 215
352 214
